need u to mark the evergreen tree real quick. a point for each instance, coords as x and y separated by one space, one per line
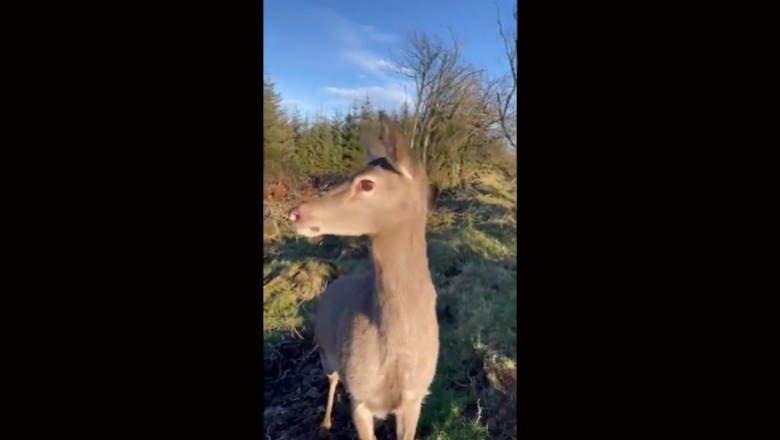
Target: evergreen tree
353 155
324 148
306 155
297 125
368 115
337 149
277 136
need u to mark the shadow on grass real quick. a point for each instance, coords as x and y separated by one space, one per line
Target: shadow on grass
474 270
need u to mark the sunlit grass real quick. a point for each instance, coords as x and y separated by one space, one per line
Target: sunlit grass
472 250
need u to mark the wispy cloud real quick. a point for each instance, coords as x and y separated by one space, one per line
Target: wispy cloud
381 82
349 33
358 43
374 35
369 62
388 95
359 46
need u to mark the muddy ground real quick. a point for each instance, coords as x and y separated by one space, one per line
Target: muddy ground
295 392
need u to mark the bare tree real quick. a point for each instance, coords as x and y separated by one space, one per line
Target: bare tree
507 97
436 71
455 120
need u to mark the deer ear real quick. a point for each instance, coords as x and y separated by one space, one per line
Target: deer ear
374 148
395 145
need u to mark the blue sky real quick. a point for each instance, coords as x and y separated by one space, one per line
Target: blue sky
321 54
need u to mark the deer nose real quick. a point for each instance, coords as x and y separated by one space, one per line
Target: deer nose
294 215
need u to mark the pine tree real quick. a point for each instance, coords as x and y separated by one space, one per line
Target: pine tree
353 155
306 154
337 149
368 115
323 145
277 136
297 125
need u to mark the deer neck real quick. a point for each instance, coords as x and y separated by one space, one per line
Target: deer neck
404 289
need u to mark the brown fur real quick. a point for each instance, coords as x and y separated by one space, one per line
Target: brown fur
377 332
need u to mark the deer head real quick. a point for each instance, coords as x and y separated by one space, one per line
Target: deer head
390 191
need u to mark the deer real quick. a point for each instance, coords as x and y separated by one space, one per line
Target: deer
377 332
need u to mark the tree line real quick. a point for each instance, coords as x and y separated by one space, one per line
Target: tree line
460 120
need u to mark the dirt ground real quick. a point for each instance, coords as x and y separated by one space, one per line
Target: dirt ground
295 392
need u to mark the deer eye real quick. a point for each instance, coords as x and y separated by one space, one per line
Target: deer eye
366 185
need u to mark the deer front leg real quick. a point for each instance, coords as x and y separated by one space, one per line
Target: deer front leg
406 419
363 419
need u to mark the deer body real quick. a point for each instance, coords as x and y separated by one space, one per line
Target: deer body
377 333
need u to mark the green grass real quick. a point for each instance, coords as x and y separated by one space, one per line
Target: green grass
472 252
288 295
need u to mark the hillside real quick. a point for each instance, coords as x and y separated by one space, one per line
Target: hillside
472 250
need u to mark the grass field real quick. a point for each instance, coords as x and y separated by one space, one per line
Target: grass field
472 249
